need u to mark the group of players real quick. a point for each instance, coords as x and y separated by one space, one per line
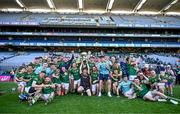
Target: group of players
90 75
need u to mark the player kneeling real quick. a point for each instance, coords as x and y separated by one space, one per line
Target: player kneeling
142 92
48 90
85 83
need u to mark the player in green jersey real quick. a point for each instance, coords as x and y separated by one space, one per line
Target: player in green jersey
19 79
56 79
142 91
65 81
75 77
48 90
34 87
95 81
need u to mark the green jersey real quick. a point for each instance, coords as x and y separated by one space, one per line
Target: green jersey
48 90
91 65
37 79
61 64
153 79
132 70
169 77
29 75
75 73
20 75
94 77
57 79
35 65
115 68
65 77
143 92
115 78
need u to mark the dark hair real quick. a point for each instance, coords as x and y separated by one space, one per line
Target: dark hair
43 72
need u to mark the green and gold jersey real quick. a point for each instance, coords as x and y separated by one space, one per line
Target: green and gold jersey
57 79
48 90
169 77
94 77
20 75
143 92
29 75
75 73
37 79
91 65
115 68
115 78
153 79
65 77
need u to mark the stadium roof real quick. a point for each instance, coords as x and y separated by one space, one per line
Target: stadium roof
94 6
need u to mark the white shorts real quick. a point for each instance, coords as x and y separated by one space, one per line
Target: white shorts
129 92
76 82
22 83
161 85
46 96
131 77
27 89
66 86
148 94
94 86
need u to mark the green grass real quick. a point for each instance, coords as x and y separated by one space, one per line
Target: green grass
9 103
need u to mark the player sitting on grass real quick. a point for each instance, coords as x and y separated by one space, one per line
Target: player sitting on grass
142 91
48 90
125 87
65 81
94 77
85 83
34 87
57 81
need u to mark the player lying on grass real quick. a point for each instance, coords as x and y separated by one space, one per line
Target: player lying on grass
152 95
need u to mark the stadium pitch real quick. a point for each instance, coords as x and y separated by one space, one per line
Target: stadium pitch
9 103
